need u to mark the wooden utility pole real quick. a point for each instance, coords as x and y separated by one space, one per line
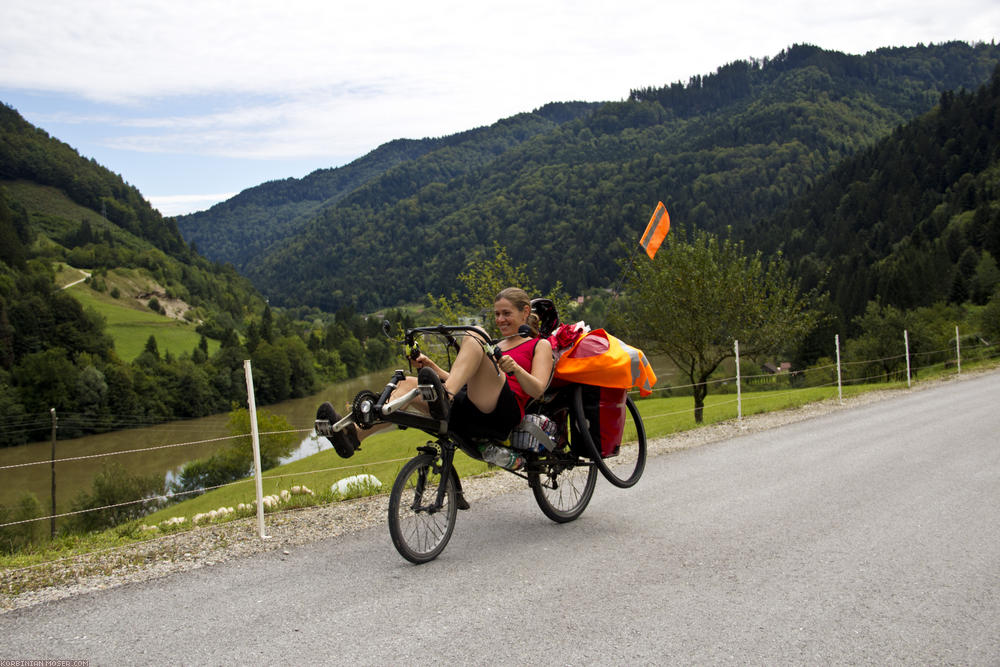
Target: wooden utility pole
52 520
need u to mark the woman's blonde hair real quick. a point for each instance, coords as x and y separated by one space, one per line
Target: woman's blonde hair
520 299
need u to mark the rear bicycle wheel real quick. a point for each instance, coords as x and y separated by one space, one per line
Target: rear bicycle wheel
624 468
563 486
420 530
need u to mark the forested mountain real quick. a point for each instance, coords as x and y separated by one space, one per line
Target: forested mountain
243 228
727 150
28 153
911 221
116 226
60 210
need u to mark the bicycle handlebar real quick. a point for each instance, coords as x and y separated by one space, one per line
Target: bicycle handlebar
489 345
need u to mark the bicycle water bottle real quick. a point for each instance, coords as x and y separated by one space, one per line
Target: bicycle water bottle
504 457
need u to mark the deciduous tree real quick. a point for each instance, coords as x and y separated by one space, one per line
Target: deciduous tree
697 297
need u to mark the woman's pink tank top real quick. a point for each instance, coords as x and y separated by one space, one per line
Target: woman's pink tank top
522 354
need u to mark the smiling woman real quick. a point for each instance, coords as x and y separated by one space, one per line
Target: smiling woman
474 399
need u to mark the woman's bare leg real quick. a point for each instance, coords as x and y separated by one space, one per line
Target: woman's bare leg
472 369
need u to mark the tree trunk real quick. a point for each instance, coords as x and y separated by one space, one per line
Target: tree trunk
700 391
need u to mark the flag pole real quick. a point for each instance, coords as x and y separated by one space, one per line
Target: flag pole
652 237
621 279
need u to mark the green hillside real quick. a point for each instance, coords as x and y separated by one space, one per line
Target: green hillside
122 263
912 221
154 332
245 227
131 324
724 151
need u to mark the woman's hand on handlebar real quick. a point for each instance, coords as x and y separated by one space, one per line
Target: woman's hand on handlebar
423 360
534 381
507 365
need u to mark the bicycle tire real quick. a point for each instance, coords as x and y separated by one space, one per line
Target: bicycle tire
624 469
562 488
419 532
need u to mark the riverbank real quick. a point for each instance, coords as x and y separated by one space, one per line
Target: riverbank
209 545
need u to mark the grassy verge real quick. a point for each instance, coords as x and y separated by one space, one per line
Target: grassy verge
663 416
384 454
381 456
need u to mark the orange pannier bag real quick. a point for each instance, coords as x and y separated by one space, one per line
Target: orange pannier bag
608 368
598 358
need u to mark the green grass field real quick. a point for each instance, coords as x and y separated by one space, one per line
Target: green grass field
131 327
663 416
382 456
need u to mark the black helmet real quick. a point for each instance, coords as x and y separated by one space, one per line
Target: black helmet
548 318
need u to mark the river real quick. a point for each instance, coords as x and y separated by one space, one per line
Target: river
73 477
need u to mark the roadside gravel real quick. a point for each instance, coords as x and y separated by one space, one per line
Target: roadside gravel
209 545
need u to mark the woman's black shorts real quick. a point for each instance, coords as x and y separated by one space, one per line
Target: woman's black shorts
470 422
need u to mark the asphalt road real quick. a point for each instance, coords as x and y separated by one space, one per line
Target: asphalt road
865 536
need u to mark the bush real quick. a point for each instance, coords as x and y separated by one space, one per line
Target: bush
114 486
216 470
822 373
236 462
17 537
990 319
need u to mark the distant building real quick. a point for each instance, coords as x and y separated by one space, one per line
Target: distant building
774 369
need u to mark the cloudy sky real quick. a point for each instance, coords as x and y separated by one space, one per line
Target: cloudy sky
192 102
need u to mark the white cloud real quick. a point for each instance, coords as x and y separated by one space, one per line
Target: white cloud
313 78
170 205
131 52
307 126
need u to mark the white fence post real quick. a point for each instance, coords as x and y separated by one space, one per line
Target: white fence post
906 341
958 350
255 438
840 386
739 393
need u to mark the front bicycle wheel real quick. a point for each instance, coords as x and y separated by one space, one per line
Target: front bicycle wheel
562 486
420 529
624 468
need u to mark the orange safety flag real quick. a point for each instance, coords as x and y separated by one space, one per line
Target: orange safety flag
656 230
598 358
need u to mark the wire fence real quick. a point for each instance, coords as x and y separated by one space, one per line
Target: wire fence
905 365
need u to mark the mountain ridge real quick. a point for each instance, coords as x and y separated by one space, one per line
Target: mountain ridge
571 198
290 202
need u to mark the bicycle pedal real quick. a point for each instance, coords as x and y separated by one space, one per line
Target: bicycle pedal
323 427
